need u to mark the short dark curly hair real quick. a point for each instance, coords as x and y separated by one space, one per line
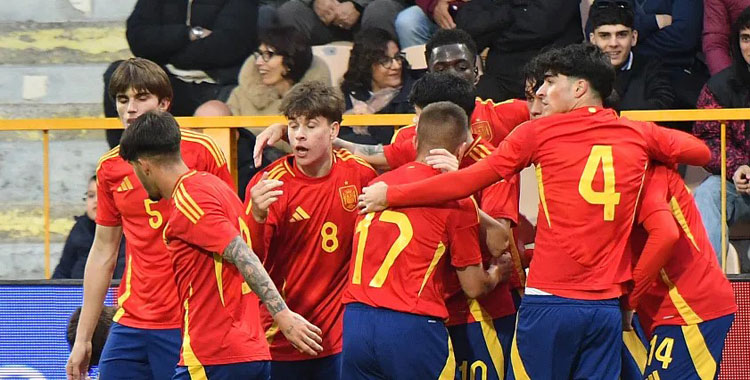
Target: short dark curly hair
444 37
293 47
370 44
441 86
584 61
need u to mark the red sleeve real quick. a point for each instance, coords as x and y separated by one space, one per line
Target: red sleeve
512 113
671 146
500 200
106 211
464 235
513 154
212 230
400 153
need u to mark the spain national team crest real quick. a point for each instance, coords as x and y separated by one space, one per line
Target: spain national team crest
349 197
482 129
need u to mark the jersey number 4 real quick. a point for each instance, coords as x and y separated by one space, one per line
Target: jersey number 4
404 237
609 198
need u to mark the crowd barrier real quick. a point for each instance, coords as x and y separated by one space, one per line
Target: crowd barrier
34 316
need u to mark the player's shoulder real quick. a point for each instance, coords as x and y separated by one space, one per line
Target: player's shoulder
190 195
108 159
195 142
352 161
280 169
404 133
503 103
479 149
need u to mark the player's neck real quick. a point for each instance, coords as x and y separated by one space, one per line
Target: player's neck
587 101
319 168
168 180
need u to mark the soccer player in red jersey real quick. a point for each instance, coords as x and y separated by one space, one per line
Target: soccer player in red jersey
682 298
303 211
144 341
395 301
215 270
579 266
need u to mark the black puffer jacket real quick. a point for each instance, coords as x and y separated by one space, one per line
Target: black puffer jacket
76 251
159 30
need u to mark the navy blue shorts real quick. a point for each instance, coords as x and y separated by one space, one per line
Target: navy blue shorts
687 352
327 368
260 370
132 353
482 349
386 344
562 338
634 352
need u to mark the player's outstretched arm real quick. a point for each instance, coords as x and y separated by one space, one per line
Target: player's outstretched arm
373 154
477 281
96 279
271 135
303 335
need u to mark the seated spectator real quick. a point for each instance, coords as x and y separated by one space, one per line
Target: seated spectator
201 44
81 237
640 83
283 59
730 88
670 31
378 81
100 332
416 24
718 17
323 21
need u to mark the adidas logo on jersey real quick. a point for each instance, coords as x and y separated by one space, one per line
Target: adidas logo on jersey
125 185
299 214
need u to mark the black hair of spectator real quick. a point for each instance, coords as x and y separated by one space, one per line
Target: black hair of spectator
740 67
370 45
313 99
582 61
143 76
442 125
93 178
155 135
612 15
293 47
444 37
442 86
100 332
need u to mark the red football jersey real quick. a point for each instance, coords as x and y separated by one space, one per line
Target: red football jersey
220 314
590 166
691 287
307 245
147 294
403 256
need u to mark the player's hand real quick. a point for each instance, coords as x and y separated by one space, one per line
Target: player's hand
303 335
268 137
663 21
373 198
78 361
502 265
442 16
627 319
263 196
442 160
741 179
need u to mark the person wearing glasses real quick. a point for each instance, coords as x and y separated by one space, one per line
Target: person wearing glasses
378 81
283 59
81 236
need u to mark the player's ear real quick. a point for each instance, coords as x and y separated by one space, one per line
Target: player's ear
461 150
635 38
335 127
164 104
580 88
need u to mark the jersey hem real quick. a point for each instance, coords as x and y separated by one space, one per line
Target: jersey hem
230 360
678 321
148 325
300 357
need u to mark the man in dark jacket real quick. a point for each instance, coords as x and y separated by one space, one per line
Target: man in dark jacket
518 30
640 83
200 43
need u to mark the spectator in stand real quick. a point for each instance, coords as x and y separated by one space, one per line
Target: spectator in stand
283 59
323 21
201 44
670 31
416 24
730 88
640 83
378 81
718 17
515 32
81 237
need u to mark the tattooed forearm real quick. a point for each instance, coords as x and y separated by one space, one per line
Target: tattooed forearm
367 150
238 253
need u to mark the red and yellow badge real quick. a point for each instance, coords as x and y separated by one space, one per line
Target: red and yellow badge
349 197
482 129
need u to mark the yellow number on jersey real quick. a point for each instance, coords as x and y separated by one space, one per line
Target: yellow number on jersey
156 219
245 232
404 237
609 197
663 353
330 242
471 374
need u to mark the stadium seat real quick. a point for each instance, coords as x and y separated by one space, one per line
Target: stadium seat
415 57
336 56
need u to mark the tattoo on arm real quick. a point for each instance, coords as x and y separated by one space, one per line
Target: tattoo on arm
238 253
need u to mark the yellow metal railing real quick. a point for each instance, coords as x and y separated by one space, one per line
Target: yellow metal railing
220 129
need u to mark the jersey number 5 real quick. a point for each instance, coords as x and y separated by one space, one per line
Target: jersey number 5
600 154
404 237
155 219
